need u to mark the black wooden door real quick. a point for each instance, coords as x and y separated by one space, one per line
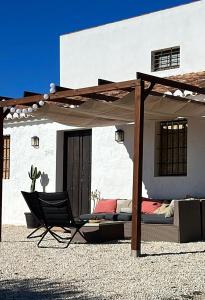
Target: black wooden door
77 169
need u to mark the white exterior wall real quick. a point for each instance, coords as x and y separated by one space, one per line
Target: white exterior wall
22 156
118 50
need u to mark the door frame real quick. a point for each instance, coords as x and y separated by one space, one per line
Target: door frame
65 158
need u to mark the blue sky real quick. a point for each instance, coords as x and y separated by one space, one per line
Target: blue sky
30 30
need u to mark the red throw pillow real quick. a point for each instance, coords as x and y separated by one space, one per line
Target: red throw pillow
148 206
106 206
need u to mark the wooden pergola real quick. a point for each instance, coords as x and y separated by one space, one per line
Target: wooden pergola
143 86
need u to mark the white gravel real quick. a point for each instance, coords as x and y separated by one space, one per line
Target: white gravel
104 271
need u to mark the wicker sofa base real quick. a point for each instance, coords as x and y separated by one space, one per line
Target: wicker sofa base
154 232
163 232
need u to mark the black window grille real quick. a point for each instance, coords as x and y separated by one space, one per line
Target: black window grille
6 156
166 59
172 152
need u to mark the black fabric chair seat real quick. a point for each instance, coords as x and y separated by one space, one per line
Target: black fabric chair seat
53 210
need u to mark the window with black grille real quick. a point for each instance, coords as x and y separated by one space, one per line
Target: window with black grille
165 59
172 148
6 156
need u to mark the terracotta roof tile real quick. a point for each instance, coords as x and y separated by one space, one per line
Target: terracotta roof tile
197 79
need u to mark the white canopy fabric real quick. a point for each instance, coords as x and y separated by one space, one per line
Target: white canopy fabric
94 113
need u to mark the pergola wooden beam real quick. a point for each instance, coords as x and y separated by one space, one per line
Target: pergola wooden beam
5 98
104 81
71 93
171 83
28 94
91 96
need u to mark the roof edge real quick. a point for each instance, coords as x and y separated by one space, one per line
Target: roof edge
192 2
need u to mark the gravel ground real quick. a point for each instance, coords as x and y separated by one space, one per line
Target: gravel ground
166 271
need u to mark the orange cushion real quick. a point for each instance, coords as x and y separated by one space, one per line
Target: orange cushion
149 206
106 206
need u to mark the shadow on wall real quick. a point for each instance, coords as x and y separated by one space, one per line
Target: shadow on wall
128 138
129 145
40 289
44 180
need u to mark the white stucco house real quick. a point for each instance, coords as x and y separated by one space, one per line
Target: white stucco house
164 43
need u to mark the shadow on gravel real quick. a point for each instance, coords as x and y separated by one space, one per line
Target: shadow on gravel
40 289
173 253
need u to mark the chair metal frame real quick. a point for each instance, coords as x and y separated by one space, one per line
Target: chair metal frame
38 207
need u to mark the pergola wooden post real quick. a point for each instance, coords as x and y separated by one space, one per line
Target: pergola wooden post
137 169
1 164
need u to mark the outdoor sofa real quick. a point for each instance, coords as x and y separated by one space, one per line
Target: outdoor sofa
184 226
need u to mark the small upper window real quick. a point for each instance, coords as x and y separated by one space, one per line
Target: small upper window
165 59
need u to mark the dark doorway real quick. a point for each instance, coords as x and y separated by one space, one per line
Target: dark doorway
77 169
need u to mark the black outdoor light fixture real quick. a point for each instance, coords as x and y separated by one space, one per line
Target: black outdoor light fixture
119 135
35 141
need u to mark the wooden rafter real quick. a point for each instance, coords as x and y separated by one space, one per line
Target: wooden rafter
5 98
71 93
91 96
68 101
170 83
28 94
104 81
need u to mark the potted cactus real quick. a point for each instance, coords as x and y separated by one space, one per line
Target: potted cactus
33 175
31 220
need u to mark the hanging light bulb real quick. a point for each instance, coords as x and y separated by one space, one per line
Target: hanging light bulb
30 110
52 85
12 110
24 111
35 106
52 88
41 103
45 96
18 111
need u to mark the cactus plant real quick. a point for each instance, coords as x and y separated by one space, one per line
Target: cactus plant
34 174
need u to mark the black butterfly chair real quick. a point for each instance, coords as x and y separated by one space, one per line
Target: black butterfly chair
53 210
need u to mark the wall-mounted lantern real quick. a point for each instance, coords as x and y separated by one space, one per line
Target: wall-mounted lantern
119 135
35 141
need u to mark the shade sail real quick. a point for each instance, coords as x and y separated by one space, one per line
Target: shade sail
92 113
